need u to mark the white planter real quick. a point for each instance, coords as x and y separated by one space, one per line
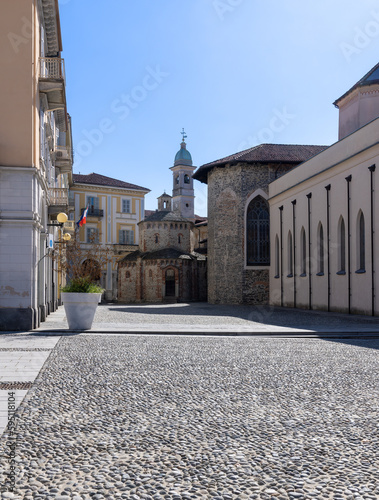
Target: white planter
80 309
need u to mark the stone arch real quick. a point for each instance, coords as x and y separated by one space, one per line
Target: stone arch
170 281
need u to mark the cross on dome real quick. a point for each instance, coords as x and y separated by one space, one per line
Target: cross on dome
184 135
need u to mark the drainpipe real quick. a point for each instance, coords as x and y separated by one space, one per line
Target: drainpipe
372 170
348 180
281 255
309 196
294 251
328 237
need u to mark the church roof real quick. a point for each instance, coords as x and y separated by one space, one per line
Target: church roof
165 217
164 253
264 153
370 78
102 180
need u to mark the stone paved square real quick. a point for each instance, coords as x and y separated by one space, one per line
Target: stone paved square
153 417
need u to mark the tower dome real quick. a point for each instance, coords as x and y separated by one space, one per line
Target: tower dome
183 157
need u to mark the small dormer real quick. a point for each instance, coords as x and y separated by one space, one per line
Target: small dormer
164 203
359 105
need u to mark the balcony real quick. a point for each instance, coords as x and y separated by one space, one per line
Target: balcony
63 159
58 200
94 212
52 82
52 68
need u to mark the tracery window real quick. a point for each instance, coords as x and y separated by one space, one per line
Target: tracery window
258 232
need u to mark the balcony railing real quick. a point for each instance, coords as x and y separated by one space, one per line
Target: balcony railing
58 196
94 212
52 68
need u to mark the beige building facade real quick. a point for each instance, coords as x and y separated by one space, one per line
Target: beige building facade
35 160
324 224
115 208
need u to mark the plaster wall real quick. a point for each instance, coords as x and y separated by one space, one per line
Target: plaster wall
342 163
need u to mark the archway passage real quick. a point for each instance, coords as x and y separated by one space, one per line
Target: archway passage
170 283
91 268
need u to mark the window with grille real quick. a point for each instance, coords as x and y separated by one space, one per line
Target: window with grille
258 232
126 206
92 235
126 237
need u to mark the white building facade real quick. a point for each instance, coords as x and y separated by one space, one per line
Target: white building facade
323 217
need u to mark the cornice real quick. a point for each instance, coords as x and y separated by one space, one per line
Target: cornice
112 190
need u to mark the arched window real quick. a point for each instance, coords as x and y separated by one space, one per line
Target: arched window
303 253
180 236
277 267
341 246
320 250
258 232
361 243
290 255
177 179
156 238
186 179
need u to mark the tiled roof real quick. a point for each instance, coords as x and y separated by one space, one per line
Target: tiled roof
264 153
164 253
370 78
149 212
165 216
102 180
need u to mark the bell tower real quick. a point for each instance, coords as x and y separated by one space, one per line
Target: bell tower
183 197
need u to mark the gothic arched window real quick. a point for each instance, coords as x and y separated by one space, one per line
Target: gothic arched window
290 255
321 250
361 243
258 232
341 246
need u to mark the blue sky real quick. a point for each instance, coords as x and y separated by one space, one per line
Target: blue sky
233 73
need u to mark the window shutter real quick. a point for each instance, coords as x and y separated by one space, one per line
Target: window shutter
131 238
121 236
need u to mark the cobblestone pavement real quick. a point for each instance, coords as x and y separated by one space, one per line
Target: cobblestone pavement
203 317
153 417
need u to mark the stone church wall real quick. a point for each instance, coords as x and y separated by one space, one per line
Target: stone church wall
168 236
229 188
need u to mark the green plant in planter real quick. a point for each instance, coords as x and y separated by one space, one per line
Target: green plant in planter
82 285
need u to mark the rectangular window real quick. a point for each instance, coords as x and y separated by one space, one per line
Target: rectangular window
126 206
92 235
126 237
93 202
